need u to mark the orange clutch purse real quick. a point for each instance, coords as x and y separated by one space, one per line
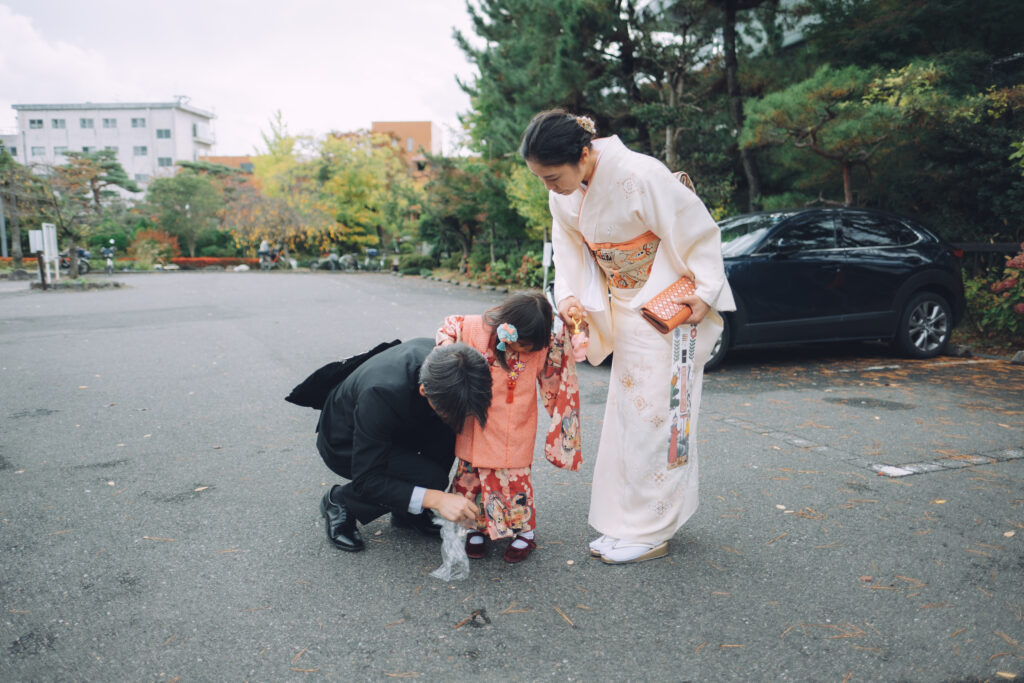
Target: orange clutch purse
662 312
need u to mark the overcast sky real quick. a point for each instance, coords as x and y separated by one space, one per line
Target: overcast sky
326 65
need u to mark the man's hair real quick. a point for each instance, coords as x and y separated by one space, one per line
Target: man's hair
457 382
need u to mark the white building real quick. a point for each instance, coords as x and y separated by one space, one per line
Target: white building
150 138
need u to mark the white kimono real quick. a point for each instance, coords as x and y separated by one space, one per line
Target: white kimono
648 230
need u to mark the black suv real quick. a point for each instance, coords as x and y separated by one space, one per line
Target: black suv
815 275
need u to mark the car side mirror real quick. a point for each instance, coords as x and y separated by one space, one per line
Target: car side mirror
786 247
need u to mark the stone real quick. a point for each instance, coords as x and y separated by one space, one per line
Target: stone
1018 358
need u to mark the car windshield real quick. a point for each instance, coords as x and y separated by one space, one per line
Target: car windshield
741 233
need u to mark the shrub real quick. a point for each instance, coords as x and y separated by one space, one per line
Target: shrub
995 306
151 246
412 264
531 270
453 261
201 262
497 273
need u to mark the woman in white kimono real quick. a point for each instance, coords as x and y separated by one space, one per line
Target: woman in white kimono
624 228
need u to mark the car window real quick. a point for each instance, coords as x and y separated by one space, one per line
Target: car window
811 231
869 230
741 233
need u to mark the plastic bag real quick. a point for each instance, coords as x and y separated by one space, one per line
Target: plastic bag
454 561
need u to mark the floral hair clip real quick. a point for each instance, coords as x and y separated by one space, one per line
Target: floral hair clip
587 124
507 332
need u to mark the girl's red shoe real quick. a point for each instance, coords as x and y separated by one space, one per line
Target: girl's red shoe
475 551
513 554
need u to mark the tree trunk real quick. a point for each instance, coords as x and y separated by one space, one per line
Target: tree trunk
15 225
747 158
847 184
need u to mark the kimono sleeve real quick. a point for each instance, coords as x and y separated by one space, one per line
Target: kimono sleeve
450 330
568 251
689 235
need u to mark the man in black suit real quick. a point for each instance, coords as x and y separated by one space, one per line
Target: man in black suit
390 428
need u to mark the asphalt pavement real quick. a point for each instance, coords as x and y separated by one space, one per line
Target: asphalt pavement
861 515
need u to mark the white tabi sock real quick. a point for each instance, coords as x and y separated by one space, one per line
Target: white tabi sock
519 543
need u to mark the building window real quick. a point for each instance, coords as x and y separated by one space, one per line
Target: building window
163 161
139 123
408 144
13 151
38 151
35 123
139 151
111 147
195 130
86 123
164 133
57 151
88 149
110 123
141 178
58 123
247 167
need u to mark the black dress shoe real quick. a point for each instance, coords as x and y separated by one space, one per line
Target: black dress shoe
341 525
423 523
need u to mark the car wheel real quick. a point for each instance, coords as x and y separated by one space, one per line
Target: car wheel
83 267
720 348
925 326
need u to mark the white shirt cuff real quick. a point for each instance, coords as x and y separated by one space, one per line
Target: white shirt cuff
416 502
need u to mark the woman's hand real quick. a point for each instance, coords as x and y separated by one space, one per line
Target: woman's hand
570 309
451 506
698 308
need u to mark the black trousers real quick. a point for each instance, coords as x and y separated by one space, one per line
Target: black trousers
407 465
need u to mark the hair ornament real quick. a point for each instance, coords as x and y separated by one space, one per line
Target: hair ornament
587 124
507 332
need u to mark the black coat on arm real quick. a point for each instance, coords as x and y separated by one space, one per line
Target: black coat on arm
376 430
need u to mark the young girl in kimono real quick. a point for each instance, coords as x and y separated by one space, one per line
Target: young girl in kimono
623 230
494 461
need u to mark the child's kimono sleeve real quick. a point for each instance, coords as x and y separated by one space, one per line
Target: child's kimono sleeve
560 391
450 330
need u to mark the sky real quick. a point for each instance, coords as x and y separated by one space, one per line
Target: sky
325 65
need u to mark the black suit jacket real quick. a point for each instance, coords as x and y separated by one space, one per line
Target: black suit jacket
380 433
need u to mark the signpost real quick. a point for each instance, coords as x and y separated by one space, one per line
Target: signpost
35 245
50 252
547 263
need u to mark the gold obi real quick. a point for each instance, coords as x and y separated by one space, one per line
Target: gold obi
627 265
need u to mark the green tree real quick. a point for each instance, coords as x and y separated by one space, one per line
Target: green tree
453 217
102 172
366 186
529 198
16 199
184 205
536 54
827 115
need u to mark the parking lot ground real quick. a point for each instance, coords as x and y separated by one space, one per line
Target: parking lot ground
158 510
